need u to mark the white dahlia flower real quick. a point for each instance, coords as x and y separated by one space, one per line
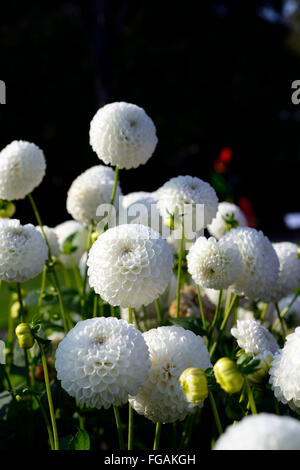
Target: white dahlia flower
185 193
214 264
261 432
22 168
172 350
130 198
101 361
65 230
23 251
254 337
88 191
226 210
260 263
285 372
130 265
123 134
289 269
52 239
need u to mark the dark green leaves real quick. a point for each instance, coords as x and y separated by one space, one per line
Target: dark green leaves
189 323
71 243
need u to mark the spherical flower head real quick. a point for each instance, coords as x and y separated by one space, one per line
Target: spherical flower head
22 168
194 385
184 193
254 337
260 263
226 211
101 361
172 350
289 269
228 376
123 134
261 432
65 230
285 372
214 264
23 251
88 191
52 239
130 265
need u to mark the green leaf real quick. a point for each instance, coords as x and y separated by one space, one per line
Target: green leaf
71 243
189 323
81 441
65 441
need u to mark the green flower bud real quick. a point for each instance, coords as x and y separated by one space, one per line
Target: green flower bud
228 376
259 376
24 335
7 209
15 309
94 236
194 385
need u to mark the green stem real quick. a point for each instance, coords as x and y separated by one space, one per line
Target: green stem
130 411
6 376
112 199
130 315
250 397
158 312
95 308
218 309
101 307
180 255
281 321
112 310
263 313
43 411
223 325
136 318
83 297
201 307
119 428
157 436
49 396
22 318
215 413
284 312
66 321
43 285
39 221
77 277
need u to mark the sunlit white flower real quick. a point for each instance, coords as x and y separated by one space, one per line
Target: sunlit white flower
289 270
226 210
254 337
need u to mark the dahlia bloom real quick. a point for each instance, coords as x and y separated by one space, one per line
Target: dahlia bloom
218 227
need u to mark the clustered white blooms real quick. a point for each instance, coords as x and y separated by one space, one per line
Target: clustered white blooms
285 372
172 350
65 230
22 168
214 264
101 361
261 432
254 337
289 269
88 191
260 263
23 251
130 265
218 227
184 193
52 239
123 134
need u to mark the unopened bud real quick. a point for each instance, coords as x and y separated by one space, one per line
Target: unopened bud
264 365
194 385
7 209
95 236
228 376
24 335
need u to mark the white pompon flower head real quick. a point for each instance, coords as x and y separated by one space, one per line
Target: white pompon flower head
23 251
88 191
285 372
226 211
52 239
22 169
65 230
123 134
185 193
254 337
214 264
289 270
101 361
130 265
260 263
264 431
172 350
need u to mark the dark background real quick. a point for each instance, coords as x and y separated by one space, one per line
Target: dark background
211 74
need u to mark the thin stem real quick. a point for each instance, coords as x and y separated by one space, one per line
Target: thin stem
66 321
130 316
223 325
112 310
218 309
250 397
136 319
215 413
284 312
112 199
6 376
201 307
22 318
179 272
263 313
77 277
48 426
39 221
281 321
130 411
83 297
43 285
101 307
119 428
49 396
95 307
158 312
157 436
